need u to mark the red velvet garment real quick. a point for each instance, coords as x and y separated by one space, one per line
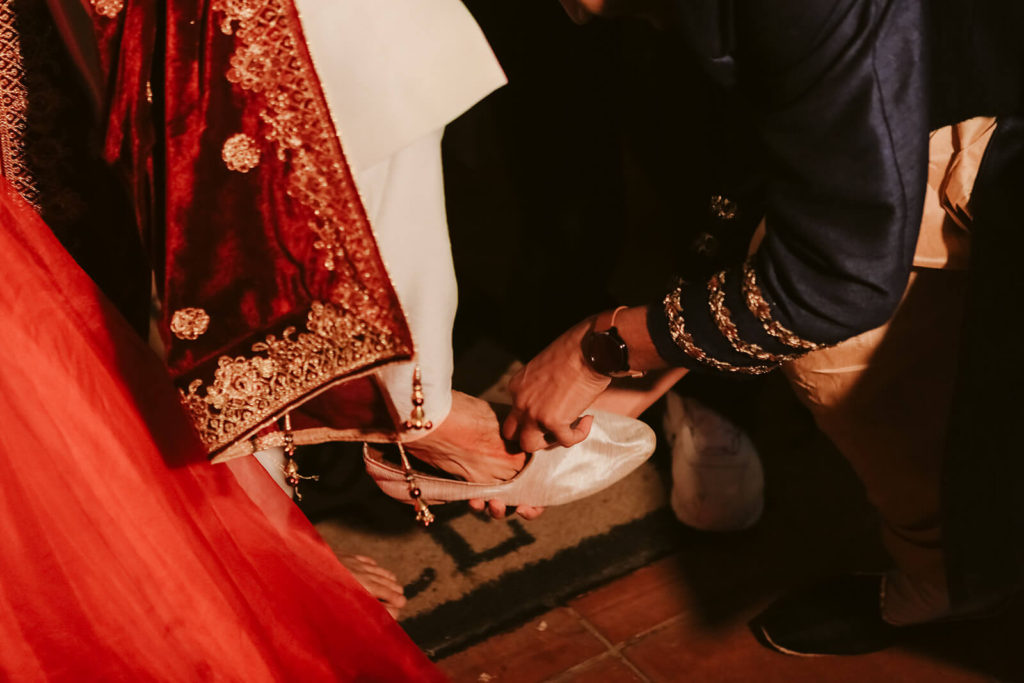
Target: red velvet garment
126 555
273 290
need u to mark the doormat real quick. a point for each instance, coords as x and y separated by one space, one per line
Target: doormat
468 576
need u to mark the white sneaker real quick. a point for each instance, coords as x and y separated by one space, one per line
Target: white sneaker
717 480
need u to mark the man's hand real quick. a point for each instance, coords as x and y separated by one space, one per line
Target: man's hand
551 392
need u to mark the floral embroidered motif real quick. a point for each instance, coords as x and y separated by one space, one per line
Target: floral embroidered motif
241 153
356 327
248 393
723 208
189 323
269 61
241 11
760 307
723 320
683 339
14 108
108 8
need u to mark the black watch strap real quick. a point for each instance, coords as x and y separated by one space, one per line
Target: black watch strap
606 352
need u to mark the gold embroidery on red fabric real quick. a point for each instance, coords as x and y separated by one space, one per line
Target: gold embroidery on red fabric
241 11
760 307
269 62
190 323
351 331
685 341
14 108
241 153
723 320
248 393
107 8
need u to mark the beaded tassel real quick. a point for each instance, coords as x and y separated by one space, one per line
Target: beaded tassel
291 466
417 421
423 514
418 418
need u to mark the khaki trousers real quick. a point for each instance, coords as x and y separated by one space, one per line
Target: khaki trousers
884 397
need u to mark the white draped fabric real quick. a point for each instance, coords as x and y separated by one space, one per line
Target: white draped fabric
395 73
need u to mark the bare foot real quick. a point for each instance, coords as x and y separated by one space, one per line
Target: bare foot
378 582
468 444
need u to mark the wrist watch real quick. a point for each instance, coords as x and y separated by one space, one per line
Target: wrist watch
605 351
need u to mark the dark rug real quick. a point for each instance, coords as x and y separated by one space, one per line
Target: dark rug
468 576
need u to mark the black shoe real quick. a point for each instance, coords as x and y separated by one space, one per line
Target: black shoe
840 616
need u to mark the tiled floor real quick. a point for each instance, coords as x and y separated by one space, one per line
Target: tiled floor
645 627
684 618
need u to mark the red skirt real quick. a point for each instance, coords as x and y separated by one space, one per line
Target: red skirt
126 556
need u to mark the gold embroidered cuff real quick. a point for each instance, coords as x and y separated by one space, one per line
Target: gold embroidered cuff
723 319
761 309
684 340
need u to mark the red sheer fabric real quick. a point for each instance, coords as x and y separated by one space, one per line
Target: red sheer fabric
126 555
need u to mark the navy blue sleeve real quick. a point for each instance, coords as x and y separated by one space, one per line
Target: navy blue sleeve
837 93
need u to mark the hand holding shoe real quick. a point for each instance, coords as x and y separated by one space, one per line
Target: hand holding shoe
468 444
617 446
554 389
551 392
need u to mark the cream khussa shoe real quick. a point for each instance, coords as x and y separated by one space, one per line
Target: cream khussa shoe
616 446
717 480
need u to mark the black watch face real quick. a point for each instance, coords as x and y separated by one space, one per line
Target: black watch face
606 352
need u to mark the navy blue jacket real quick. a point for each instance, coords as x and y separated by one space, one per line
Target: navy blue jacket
841 95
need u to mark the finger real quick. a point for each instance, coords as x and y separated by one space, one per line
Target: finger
568 435
392 598
581 427
394 592
477 504
531 438
496 508
516 381
528 512
382 588
367 566
381 572
510 427
383 585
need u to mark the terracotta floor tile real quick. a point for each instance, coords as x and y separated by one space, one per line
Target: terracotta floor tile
684 652
604 669
636 602
540 649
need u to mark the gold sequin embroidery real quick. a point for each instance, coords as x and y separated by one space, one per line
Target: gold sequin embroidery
14 108
351 331
723 320
189 323
269 61
723 208
241 153
760 307
683 339
241 11
108 8
248 392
